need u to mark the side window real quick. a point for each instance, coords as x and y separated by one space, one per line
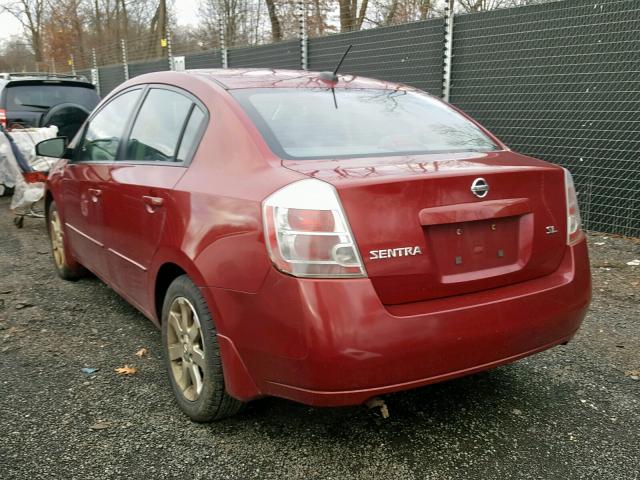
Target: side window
156 131
104 132
191 134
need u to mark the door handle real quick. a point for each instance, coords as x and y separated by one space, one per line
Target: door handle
152 202
95 194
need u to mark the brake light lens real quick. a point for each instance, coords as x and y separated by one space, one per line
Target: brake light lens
307 233
3 117
574 221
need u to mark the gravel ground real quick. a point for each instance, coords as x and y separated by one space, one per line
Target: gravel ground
570 412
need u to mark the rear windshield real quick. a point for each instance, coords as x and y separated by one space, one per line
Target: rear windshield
44 96
309 123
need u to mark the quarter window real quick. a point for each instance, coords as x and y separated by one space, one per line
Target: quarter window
191 133
157 129
103 135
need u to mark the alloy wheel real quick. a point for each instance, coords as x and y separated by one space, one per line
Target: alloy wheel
185 348
57 240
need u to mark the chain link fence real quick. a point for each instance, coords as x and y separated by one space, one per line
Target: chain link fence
559 81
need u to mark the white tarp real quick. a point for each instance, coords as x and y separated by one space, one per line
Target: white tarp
25 194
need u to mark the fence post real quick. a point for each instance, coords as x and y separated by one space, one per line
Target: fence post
448 50
304 37
72 61
169 52
95 72
124 59
223 46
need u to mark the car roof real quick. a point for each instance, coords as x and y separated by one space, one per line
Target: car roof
236 78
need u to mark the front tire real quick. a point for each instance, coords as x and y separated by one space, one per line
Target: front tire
192 354
66 266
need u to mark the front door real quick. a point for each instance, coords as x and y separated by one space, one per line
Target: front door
83 213
85 178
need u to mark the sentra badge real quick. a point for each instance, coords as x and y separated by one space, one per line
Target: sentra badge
394 252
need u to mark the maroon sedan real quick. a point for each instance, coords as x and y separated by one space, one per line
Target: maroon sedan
318 240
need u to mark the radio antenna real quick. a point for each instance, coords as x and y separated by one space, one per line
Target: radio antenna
333 76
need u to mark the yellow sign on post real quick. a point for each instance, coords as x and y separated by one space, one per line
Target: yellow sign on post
70 62
163 42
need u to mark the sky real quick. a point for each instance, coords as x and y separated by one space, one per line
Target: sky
9 26
186 13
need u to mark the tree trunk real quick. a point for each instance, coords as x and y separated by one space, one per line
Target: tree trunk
393 8
98 19
125 20
159 28
363 12
319 18
276 34
346 20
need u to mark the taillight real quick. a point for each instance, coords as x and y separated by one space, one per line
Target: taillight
307 233
3 117
574 222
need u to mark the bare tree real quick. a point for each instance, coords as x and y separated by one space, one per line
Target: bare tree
16 55
484 5
31 15
159 28
350 18
276 33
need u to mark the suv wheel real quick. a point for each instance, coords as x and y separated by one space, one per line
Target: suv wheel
192 354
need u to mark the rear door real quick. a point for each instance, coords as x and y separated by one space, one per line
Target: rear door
138 197
85 176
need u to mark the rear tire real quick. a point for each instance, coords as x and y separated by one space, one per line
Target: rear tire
66 266
192 354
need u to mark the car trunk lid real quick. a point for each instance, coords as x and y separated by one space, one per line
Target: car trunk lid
423 233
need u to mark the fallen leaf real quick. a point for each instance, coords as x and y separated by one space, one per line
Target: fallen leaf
21 305
126 370
143 352
99 425
633 374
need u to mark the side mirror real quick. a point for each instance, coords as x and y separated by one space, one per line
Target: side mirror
53 147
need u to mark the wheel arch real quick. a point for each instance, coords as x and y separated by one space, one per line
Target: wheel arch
166 274
239 382
169 265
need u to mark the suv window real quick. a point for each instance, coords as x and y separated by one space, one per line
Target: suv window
103 135
157 129
43 96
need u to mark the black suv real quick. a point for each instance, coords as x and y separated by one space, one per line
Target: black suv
41 100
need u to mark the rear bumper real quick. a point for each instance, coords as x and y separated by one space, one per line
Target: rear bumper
331 342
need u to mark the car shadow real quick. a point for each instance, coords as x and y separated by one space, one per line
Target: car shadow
490 397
